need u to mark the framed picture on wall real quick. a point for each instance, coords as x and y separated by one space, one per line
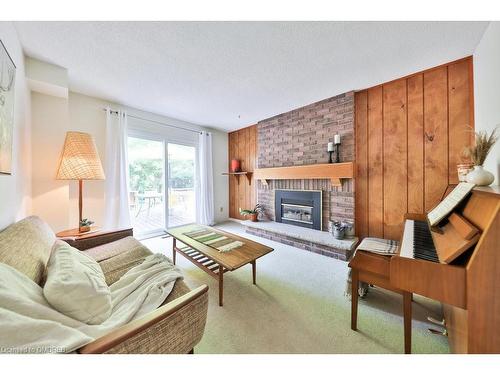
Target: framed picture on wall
7 83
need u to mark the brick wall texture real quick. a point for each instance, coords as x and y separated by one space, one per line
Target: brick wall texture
300 137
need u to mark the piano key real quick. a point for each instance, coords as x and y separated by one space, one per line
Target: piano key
406 249
423 245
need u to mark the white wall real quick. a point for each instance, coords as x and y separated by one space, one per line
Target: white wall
46 78
49 126
85 113
15 190
221 183
487 90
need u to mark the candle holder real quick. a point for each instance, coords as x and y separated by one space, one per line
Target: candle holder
330 160
337 153
330 150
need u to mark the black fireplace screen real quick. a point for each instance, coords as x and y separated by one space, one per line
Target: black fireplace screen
298 207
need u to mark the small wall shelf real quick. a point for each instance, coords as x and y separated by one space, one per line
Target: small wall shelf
238 174
333 172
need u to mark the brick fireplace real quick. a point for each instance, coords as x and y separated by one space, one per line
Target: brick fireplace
300 137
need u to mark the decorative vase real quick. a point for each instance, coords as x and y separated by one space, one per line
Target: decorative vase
254 217
462 171
235 166
480 177
84 229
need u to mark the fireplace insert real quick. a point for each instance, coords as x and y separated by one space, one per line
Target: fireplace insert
298 207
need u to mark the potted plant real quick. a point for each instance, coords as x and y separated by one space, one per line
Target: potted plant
85 225
477 154
254 213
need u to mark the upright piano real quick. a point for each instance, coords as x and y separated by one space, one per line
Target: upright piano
456 263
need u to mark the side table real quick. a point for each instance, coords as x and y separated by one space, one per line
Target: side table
93 238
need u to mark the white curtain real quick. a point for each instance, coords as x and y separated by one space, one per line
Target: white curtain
205 186
117 213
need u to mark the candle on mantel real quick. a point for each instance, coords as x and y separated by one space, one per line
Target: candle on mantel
330 146
336 139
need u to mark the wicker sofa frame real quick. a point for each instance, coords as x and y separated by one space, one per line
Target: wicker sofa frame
176 327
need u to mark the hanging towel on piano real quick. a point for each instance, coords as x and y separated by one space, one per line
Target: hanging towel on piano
374 245
378 246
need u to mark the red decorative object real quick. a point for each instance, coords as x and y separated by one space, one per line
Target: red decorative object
235 166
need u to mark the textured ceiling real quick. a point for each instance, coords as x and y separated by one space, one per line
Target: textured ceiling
231 74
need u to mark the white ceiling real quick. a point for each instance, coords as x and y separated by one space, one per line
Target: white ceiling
231 74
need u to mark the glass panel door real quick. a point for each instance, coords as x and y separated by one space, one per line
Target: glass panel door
147 179
181 184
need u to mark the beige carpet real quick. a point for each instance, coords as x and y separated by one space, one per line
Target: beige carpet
298 306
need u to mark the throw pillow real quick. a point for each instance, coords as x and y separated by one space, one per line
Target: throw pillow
76 285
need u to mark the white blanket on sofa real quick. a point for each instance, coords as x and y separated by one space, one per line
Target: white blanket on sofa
30 325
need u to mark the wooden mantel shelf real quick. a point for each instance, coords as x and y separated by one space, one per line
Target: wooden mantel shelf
333 172
238 174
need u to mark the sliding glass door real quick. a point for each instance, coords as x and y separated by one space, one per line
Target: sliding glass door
146 157
181 184
154 163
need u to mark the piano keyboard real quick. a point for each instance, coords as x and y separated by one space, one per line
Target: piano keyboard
423 245
417 242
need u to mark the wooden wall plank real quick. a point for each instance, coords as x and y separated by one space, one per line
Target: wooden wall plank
436 135
242 146
252 162
415 144
241 157
237 155
375 163
361 183
423 119
459 134
230 156
232 188
244 188
395 158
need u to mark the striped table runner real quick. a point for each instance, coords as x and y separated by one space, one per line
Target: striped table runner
213 239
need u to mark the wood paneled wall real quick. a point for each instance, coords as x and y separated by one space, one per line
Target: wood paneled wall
409 134
242 146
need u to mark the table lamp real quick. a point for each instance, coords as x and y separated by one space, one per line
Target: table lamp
80 161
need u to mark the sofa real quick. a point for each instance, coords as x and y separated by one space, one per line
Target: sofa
176 327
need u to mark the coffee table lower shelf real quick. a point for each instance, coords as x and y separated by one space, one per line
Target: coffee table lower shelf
208 265
202 261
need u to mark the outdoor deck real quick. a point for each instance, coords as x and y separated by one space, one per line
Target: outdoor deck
149 217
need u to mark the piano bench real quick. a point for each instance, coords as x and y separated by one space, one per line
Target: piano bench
374 269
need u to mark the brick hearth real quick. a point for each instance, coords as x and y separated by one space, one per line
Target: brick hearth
303 238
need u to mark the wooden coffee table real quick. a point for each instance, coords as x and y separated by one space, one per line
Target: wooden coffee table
210 259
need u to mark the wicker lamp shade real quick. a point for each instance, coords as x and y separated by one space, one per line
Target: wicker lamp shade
80 159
